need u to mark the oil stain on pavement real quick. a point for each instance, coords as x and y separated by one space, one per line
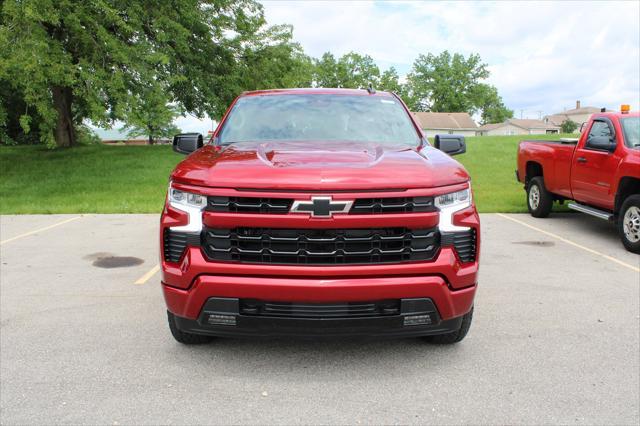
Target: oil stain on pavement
108 261
536 243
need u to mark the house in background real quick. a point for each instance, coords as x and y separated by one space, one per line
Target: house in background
515 126
433 123
578 115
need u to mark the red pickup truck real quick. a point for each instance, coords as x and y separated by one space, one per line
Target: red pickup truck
600 172
319 212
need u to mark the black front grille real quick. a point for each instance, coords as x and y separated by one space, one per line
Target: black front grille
283 205
393 205
319 310
249 205
464 242
320 246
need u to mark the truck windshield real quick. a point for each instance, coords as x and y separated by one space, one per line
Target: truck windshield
320 118
631 128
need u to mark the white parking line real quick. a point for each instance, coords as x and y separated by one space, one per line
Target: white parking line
558 237
35 231
143 279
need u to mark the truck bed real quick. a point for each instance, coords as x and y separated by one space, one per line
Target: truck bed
552 156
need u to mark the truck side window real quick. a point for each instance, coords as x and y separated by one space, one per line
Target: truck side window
599 128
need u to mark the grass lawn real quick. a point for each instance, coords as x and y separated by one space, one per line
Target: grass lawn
85 179
133 179
491 161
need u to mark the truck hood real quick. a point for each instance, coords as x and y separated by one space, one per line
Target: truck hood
327 166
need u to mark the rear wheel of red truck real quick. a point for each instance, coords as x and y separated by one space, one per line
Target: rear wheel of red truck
185 338
629 223
454 336
539 200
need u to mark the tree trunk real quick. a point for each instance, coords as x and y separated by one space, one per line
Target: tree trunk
150 130
65 134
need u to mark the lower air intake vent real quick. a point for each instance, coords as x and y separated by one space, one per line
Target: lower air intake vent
176 242
320 310
464 242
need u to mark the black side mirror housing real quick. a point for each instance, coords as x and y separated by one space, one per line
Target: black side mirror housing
605 143
582 127
450 144
186 143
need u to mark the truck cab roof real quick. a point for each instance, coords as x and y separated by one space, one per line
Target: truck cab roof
616 114
318 91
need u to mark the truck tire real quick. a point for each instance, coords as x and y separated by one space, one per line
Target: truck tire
455 336
539 200
629 223
185 338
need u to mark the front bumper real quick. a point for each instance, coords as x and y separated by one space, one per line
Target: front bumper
241 325
189 303
447 281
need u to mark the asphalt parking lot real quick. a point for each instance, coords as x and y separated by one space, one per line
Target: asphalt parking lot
83 338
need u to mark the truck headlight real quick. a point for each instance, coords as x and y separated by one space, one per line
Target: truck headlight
460 198
187 198
448 205
191 203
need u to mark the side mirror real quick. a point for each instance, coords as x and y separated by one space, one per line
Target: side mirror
186 143
450 144
605 143
582 127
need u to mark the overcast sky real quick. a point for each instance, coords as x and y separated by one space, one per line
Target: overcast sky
543 56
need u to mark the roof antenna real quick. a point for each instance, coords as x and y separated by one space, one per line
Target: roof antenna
371 90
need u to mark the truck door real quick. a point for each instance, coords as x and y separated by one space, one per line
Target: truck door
593 169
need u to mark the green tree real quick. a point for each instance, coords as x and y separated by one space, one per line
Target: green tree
352 70
446 83
272 60
95 60
358 71
568 126
390 81
151 116
491 106
12 108
326 71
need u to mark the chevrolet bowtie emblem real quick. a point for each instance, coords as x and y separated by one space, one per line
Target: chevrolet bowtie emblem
321 206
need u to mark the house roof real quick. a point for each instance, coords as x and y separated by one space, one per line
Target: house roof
445 120
561 117
531 124
557 119
583 110
519 122
492 126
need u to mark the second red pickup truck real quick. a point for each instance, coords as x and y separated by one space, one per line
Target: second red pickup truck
600 172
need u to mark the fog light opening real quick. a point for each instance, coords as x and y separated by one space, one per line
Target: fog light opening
215 319
417 320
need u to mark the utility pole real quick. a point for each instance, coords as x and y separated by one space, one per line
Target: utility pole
521 112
